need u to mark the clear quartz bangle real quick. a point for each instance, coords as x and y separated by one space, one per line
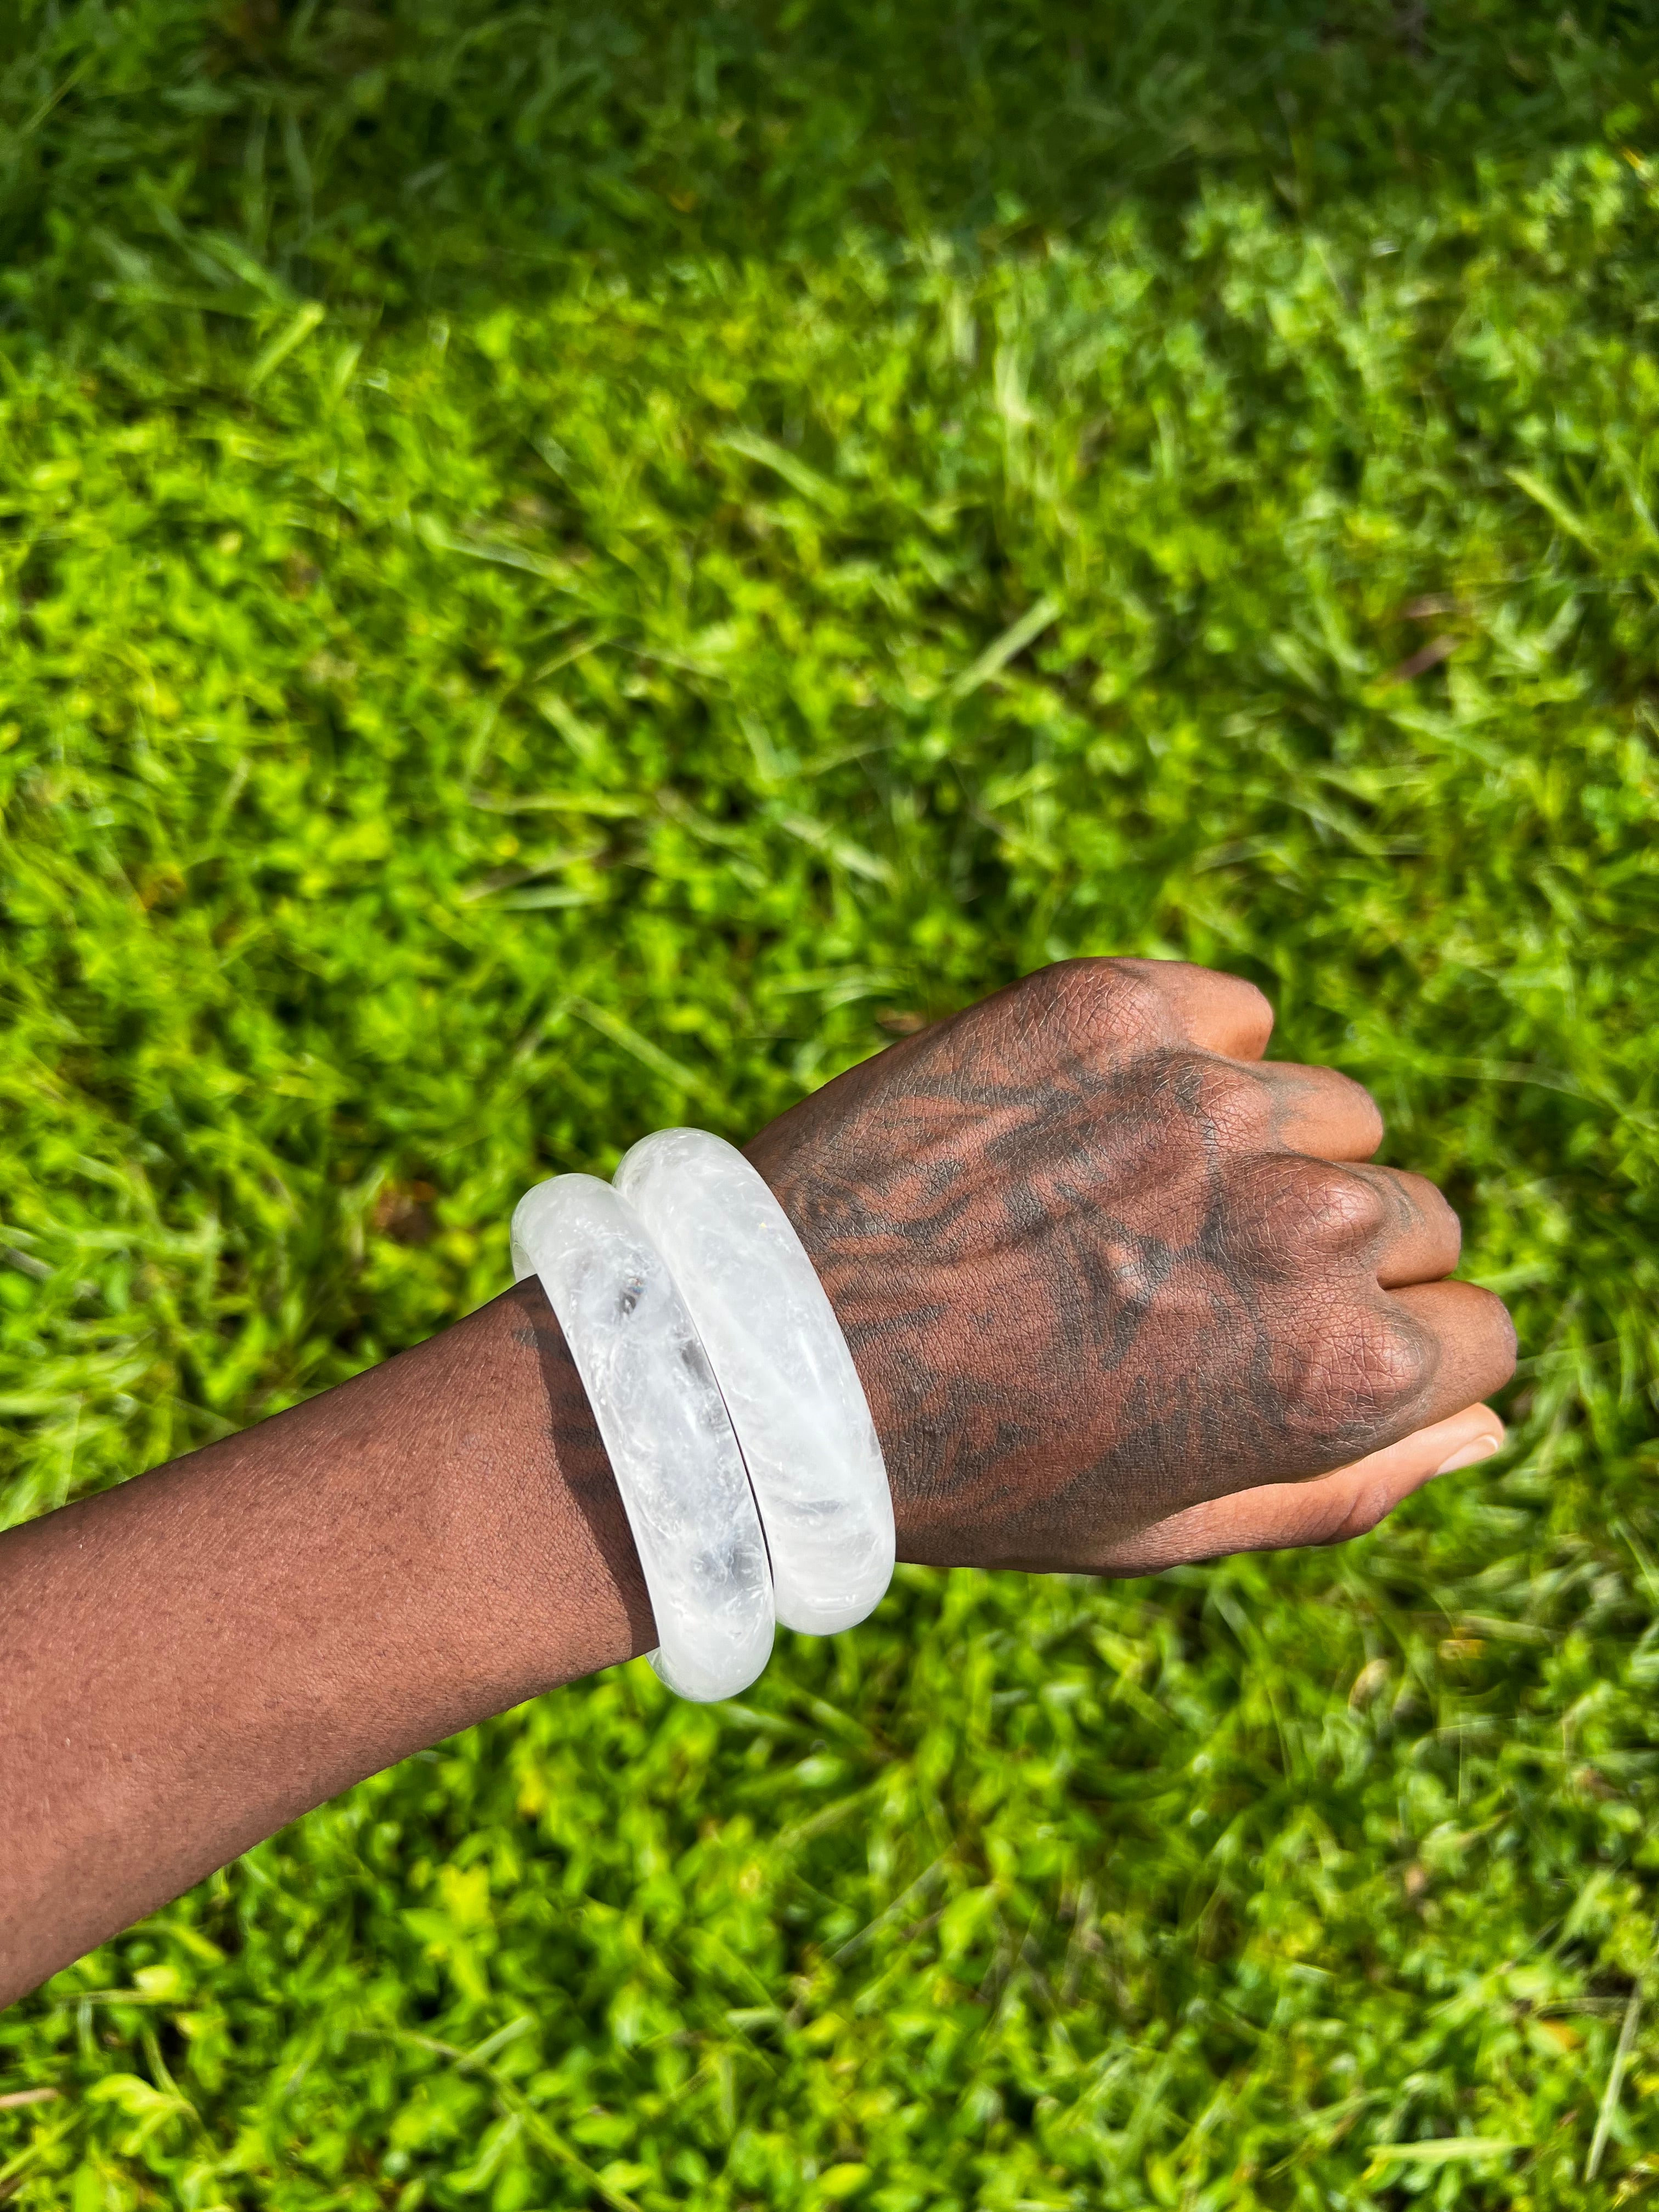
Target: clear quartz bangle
783 1368
666 1428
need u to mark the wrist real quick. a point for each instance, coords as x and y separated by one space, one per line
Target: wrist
542 1581
881 1336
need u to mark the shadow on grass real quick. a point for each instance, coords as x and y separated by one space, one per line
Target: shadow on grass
415 153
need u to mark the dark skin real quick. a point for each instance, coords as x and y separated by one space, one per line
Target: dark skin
1120 1294
1162 1274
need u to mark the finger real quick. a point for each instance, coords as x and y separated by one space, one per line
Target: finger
1422 1238
1219 1013
1351 1215
1277 1516
1317 1110
1474 1343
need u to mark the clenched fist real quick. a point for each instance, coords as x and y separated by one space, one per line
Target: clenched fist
1118 1287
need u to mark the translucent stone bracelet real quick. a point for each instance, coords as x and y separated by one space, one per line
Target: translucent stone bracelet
665 1426
783 1368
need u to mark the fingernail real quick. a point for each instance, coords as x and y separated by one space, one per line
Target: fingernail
1466 1454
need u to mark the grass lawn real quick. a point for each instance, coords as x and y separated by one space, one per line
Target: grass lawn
565 569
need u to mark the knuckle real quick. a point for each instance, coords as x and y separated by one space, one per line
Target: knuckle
1345 1209
1085 991
1393 1364
1338 1509
1302 1215
1230 1101
1234 1100
1063 983
1136 1004
1332 1508
1184 991
1360 1514
1358 1375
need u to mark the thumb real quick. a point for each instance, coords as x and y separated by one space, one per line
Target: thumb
1328 1509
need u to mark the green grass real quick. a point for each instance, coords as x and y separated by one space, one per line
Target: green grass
557 572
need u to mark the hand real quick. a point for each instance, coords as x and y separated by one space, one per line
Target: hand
1117 1287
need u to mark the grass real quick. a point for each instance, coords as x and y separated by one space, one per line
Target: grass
562 572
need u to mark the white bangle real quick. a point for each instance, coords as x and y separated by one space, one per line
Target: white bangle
783 1368
665 1426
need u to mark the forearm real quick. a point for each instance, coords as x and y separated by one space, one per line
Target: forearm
190 1661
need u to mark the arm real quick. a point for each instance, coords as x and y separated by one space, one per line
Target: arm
1115 1288
193 1659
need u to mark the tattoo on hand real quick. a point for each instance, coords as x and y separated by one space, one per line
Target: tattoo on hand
1088 1277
